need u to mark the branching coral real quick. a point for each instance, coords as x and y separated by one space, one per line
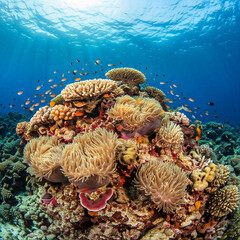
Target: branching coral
165 183
87 89
126 75
134 114
43 155
90 159
224 201
169 136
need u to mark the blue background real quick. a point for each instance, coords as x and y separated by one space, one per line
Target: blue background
194 44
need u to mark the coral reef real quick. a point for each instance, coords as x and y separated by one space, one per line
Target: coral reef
109 160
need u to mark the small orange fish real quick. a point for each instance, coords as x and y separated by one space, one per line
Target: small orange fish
219 127
172 92
111 65
27 102
63 75
190 99
55 85
171 87
119 127
162 111
53 95
162 83
78 114
199 132
226 136
52 104
38 87
77 79
93 213
167 106
84 189
64 79
36 104
75 70
55 72
50 80
47 92
65 103
198 204
43 100
9 140
197 138
139 139
106 95
174 85
20 92
138 101
207 113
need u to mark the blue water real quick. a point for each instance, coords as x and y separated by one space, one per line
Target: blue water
193 44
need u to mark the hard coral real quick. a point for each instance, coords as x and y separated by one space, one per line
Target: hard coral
224 201
126 75
222 175
87 89
90 160
169 136
165 183
135 114
59 112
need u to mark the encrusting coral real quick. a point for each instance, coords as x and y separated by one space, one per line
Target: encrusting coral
165 183
109 160
224 201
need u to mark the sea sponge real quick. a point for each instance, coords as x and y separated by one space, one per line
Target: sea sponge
90 160
155 93
134 114
88 89
222 175
43 155
165 183
129 76
169 136
224 201
59 112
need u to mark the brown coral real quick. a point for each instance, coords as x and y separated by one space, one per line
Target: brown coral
169 136
155 93
126 75
224 201
180 118
165 183
222 175
134 114
90 155
41 116
59 112
88 89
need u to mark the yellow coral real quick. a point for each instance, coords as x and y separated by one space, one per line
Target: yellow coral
59 112
88 89
134 114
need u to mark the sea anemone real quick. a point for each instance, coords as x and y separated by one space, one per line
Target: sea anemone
165 183
43 155
90 160
169 136
134 114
